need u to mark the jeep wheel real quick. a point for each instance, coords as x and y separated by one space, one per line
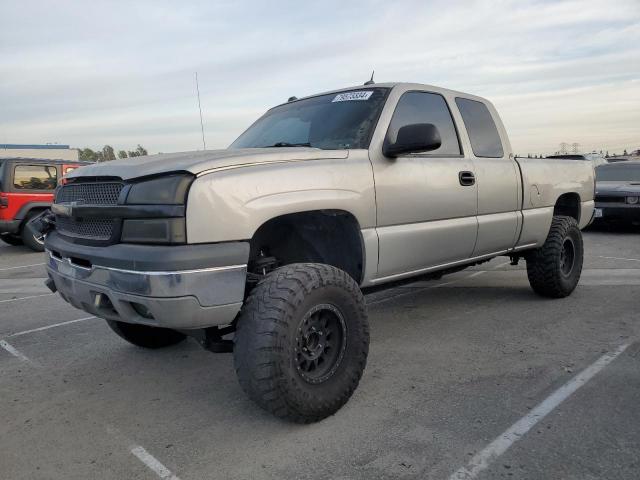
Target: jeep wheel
145 336
302 341
554 269
32 239
11 239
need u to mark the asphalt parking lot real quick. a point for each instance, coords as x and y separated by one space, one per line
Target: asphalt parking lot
471 376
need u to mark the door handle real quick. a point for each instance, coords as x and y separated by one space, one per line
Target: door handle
466 178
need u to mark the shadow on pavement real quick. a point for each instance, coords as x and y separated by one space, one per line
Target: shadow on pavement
613 227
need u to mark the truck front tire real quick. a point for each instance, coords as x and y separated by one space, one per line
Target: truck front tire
302 341
145 336
554 269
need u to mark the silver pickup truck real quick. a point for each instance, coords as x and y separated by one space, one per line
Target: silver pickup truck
274 239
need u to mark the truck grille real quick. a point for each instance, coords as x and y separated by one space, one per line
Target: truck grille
609 199
90 193
89 228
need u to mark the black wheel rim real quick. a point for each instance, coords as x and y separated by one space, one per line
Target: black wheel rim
321 340
567 256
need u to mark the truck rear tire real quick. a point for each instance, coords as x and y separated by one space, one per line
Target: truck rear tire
11 239
302 341
554 269
31 239
145 336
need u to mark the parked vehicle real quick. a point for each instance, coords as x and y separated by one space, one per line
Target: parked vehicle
26 189
595 158
618 192
275 237
619 158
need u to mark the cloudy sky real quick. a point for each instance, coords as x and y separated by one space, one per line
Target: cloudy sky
92 73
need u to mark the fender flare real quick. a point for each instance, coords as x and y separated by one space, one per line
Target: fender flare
28 207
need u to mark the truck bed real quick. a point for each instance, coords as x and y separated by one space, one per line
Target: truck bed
544 180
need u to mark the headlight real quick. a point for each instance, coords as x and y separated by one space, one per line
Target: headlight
163 191
632 200
154 230
171 190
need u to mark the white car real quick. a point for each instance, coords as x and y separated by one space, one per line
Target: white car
595 158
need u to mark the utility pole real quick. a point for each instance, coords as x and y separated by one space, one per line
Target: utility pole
204 144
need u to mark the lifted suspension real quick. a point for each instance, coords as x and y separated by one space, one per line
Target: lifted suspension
211 338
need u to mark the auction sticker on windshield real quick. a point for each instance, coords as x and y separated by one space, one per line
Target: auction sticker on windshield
351 96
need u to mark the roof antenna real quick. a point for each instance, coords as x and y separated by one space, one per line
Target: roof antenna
204 144
370 81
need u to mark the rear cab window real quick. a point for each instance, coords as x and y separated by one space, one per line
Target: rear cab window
35 177
425 107
482 131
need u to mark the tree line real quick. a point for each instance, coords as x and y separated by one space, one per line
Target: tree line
604 154
108 153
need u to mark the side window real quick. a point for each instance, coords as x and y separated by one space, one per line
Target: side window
423 107
481 128
35 177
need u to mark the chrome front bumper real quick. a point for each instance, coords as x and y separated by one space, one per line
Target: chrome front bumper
184 299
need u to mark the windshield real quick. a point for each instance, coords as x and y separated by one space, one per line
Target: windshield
334 121
618 173
1 170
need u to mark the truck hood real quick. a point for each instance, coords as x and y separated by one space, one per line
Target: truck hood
202 161
617 188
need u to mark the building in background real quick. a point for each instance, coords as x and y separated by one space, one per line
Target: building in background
54 152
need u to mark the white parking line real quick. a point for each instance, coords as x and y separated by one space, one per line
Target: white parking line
22 266
480 272
483 459
16 353
152 463
620 258
50 326
141 454
26 298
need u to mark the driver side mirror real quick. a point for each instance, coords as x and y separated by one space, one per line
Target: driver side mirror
414 138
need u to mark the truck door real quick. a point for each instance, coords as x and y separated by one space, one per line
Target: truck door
498 180
426 203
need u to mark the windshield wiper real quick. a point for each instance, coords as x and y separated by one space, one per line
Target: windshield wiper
287 144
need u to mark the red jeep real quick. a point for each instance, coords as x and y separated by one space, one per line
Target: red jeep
26 189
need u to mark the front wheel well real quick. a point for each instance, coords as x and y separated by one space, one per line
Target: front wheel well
321 236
